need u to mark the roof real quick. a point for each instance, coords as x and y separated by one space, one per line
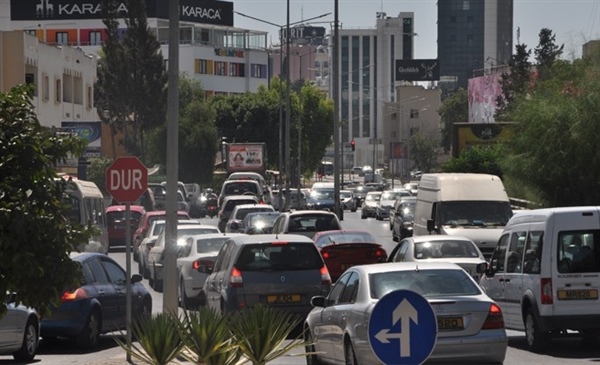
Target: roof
400 266
122 208
310 212
245 239
164 212
439 237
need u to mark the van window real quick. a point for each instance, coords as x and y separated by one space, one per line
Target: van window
497 260
241 187
533 252
289 256
475 213
579 251
514 260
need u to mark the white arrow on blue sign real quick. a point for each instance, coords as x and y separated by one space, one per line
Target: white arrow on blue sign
402 328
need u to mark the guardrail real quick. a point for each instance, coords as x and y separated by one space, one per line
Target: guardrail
520 204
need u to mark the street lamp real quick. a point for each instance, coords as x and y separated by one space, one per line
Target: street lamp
285 158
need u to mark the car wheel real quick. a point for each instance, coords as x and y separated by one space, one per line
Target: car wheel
90 335
30 342
349 355
363 216
536 339
311 358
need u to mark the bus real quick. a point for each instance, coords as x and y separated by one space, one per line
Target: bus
87 206
326 168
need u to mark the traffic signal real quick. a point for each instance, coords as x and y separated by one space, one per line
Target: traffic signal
353 145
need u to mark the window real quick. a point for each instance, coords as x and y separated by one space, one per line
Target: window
533 252
62 38
237 69
579 251
204 67
115 274
89 101
220 68
258 71
466 5
58 90
95 38
514 260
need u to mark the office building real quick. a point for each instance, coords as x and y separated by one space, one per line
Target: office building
473 35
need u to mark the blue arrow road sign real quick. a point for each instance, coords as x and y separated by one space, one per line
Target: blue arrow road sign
402 328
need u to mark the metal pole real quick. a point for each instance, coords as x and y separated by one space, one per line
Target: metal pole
170 270
280 176
128 278
287 110
336 110
300 141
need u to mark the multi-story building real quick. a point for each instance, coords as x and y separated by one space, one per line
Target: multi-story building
367 81
472 35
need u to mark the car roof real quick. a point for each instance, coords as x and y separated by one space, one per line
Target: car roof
164 212
374 193
263 213
240 197
179 221
406 266
82 256
310 212
122 208
245 239
247 206
216 235
439 237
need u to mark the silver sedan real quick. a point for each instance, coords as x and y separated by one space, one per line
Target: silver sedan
470 325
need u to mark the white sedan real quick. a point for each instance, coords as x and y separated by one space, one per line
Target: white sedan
197 250
456 249
19 331
470 325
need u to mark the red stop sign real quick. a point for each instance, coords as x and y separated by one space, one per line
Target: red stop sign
126 179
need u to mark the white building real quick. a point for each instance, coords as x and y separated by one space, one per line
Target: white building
367 80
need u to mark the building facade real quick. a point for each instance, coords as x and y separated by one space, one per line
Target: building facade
367 81
473 35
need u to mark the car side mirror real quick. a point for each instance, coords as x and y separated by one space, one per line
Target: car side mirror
430 225
318 301
136 278
481 268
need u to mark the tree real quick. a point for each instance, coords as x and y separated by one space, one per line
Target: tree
109 93
455 109
147 79
556 133
481 160
515 83
546 53
423 152
36 235
198 138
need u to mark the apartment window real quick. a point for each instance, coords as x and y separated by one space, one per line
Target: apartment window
202 67
466 5
95 38
45 88
258 71
237 69
89 101
29 78
220 68
62 38
58 90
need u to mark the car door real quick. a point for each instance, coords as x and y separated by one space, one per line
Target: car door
214 282
326 326
513 278
341 319
118 278
493 280
95 276
11 327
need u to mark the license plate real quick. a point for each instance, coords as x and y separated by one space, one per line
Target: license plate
450 323
282 299
578 294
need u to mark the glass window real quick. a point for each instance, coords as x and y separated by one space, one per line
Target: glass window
349 294
62 38
514 259
289 257
497 259
95 38
579 251
116 275
336 292
533 252
97 270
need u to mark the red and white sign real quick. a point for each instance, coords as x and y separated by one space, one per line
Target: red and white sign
126 179
245 157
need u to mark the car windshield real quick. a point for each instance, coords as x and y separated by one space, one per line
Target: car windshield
345 237
373 197
263 220
445 249
425 282
391 195
320 194
345 194
279 256
117 218
407 211
312 223
240 187
475 213
210 244
242 213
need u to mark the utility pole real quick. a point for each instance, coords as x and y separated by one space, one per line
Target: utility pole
287 110
336 111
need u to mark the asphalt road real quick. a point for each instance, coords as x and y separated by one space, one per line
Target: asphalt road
564 351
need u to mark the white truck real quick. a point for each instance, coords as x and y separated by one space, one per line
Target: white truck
475 206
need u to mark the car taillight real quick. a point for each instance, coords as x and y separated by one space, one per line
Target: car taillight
235 280
546 290
494 320
378 253
197 263
329 254
78 294
325 277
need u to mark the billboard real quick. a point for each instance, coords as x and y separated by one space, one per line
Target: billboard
90 131
301 34
467 135
483 92
246 157
196 11
417 70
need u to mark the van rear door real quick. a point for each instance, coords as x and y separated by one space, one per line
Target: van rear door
576 271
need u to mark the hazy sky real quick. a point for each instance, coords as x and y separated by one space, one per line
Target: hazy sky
574 22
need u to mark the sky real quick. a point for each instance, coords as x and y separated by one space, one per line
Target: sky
573 22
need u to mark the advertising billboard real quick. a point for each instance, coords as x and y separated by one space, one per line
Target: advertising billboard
417 70
196 11
467 135
483 93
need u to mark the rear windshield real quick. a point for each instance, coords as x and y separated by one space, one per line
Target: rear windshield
312 223
345 237
118 217
210 244
242 213
233 203
579 251
424 282
241 187
288 256
446 248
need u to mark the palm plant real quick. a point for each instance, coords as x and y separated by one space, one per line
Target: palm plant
208 339
261 331
158 339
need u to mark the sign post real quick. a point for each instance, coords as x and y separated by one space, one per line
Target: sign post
402 328
126 181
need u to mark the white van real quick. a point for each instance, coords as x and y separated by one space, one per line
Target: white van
475 206
545 273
